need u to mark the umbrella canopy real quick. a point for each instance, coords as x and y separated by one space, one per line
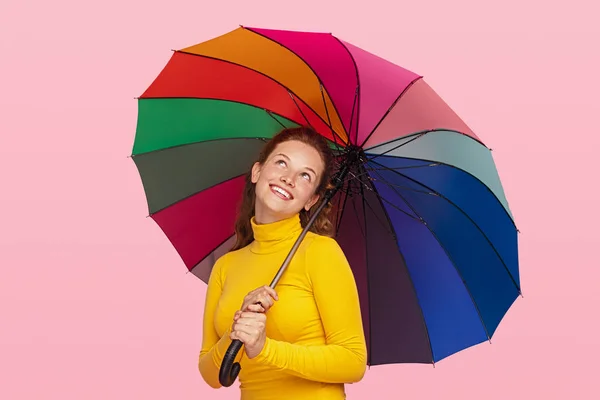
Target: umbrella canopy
422 217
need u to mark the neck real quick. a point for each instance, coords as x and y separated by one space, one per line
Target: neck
275 236
268 218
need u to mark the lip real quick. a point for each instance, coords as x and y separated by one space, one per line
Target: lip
282 197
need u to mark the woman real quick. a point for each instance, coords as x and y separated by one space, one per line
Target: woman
305 339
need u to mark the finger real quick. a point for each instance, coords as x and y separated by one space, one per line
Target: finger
255 329
249 330
249 326
242 337
243 322
250 320
271 292
249 315
252 306
262 291
265 301
236 335
256 308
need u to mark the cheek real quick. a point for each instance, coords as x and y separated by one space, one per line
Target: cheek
305 191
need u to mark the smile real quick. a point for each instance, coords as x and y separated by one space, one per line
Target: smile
281 193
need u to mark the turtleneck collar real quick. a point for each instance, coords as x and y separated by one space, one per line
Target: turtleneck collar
275 236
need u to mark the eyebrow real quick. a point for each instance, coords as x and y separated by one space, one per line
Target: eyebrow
308 168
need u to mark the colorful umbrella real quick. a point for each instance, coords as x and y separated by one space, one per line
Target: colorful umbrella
420 211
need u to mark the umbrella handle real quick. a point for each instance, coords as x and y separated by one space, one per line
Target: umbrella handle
230 369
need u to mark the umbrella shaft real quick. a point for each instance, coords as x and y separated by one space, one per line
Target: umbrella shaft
338 181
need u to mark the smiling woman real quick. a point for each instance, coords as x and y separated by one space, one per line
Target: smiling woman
306 339
297 162
289 176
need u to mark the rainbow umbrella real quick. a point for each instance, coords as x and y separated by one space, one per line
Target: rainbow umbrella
418 205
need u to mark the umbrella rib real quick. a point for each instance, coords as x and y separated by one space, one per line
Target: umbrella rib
462 212
421 133
435 163
327 113
354 106
361 228
374 191
151 152
390 109
276 120
398 208
258 72
367 268
305 63
195 193
393 185
357 96
395 236
416 217
432 164
416 136
299 109
451 261
341 210
196 264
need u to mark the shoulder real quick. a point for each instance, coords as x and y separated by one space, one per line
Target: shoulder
221 265
322 250
326 264
320 244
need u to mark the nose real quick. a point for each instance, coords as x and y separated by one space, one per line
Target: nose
287 180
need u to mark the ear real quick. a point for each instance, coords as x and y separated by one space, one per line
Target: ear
255 172
311 202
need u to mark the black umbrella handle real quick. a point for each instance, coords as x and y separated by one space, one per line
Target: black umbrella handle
229 369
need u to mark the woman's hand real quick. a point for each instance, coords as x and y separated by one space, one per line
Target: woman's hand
249 328
249 322
260 300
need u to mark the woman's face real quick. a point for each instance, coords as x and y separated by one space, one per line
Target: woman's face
286 182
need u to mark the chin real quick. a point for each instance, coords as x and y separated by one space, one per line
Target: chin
275 210
280 211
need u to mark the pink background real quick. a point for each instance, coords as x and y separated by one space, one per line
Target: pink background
95 303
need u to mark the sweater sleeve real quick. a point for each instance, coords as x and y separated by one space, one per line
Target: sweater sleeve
343 358
213 347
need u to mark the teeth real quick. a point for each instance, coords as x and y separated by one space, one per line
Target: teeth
280 190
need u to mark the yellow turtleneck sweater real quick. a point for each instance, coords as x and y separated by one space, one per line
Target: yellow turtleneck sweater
315 341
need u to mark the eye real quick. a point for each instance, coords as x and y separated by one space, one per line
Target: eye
280 162
306 176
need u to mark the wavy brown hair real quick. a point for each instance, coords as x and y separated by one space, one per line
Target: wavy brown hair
322 224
